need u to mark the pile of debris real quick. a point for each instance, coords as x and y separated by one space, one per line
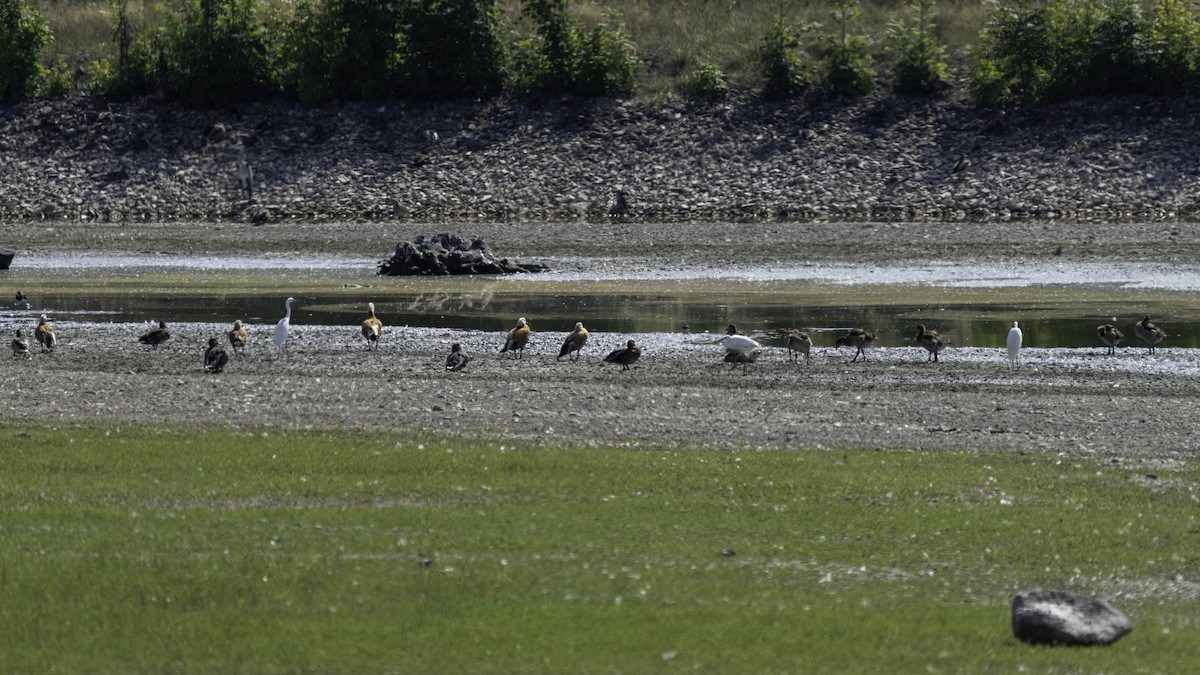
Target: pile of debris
448 254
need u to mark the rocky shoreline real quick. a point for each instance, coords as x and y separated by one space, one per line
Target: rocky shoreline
80 159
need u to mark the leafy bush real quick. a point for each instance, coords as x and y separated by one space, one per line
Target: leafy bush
23 33
784 72
707 82
847 66
343 49
919 68
1175 47
565 57
218 53
452 48
140 67
1018 47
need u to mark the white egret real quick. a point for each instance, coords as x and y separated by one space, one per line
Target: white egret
281 328
1014 343
1149 333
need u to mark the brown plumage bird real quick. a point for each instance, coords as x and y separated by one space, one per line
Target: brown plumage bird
574 342
518 338
20 346
1110 336
1149 333
238 338
215 357
859 339
45 335
932 341
797 343
741 358
458 359
157 336
372 327
626 356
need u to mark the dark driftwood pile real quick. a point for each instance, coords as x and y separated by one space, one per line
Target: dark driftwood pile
448 254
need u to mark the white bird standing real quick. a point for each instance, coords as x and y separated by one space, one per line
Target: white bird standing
735 343
1014 343
281 328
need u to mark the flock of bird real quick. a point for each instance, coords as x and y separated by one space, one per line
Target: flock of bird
739 349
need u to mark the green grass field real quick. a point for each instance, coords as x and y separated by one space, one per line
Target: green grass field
134 549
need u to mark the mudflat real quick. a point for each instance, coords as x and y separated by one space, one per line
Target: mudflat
1133 407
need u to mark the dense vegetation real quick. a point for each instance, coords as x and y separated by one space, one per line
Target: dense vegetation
206 52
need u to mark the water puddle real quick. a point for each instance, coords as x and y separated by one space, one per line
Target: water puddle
1059 304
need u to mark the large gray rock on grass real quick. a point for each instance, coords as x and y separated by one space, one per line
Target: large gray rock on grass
1044 617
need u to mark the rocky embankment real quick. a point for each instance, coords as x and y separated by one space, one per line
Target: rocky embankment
81 159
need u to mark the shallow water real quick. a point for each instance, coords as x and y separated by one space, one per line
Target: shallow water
1058 303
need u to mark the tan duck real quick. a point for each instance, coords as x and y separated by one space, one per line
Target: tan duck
238 338
458 359
625 356
797 343
932 341
372 327
157 336
859 339
45 335
574 342
1111 336
1149 333
20 346
518 338
215 357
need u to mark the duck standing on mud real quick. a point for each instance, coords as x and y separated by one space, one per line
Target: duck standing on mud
157 336
518 338
626 356
574 342
1149 333
859 339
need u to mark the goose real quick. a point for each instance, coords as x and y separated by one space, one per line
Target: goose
1149 333
797 343
574 342
859 339
1015 336
744 359
238 338
626 356
45 335
1110 336
458 359
215 357
734 341
518 338
281 328
20 346
156 337
22 299
932 341
372 327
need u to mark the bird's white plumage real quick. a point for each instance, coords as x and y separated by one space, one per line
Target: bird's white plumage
1014 342
740 344
281 328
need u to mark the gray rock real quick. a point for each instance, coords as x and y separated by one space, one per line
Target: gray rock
1045 617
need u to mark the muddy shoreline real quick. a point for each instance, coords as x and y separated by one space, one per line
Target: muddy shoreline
1130 407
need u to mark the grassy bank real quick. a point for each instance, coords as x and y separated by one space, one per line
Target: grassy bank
131 549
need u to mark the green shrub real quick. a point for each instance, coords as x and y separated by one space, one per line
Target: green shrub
707 82
452 48
343 49
1019 44
1175 47
141 61
988 83
784 72
919 67
23 33
565 57
56 80
847 66
218 53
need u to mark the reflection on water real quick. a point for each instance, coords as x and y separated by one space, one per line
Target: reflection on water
764 315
